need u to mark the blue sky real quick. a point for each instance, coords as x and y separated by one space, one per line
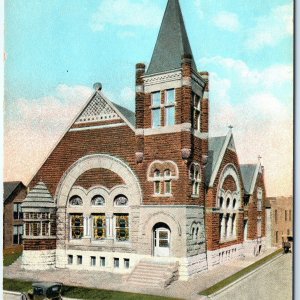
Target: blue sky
56 50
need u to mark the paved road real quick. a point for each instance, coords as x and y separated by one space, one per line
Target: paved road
272 282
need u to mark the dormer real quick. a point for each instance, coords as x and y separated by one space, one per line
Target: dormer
170 93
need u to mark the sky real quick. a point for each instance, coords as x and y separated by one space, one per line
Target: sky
56 50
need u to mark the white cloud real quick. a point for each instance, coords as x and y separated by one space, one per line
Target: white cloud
36 128
262 117
227 21
272 28
126 13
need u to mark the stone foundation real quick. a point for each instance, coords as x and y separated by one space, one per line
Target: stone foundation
38 260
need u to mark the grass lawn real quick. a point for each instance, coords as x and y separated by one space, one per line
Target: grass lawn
9 258
81 293
218 286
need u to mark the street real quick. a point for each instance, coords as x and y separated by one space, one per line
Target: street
272 282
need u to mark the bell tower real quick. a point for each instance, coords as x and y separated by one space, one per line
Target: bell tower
171 95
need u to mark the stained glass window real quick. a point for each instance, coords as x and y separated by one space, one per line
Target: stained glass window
98 201
99 226
77 226
122 227
76 201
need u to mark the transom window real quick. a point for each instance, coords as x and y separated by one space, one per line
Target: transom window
196 112
195 176
98 200
75 201
165 107
121 200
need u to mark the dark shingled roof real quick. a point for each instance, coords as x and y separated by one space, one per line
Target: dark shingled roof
215 145
128 114
9 187
248 172
172 42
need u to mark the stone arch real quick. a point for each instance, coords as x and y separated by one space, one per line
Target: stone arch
162 217
104 161
228 170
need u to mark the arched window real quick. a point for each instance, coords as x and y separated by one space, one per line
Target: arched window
98 200
195 176
221 202
227 202
121 200
75 201
234 203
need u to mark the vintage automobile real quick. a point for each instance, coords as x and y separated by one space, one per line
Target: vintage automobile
44 291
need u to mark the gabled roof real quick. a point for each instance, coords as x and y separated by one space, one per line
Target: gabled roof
128 114
248 172
215 145
172 42
249 175
39 196
9 187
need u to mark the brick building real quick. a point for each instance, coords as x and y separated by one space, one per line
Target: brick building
281 216
122 188
13 194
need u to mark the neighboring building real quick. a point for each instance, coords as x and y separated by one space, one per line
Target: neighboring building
13 194
281 209
149 186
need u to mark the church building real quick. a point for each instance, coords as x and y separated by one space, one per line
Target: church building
129 192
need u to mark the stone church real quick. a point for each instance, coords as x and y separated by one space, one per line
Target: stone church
130 192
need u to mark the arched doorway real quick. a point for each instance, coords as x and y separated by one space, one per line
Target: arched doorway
161 240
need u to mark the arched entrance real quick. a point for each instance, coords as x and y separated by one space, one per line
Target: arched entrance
161 240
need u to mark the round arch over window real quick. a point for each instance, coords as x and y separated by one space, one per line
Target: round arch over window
121 200
98 200
75 201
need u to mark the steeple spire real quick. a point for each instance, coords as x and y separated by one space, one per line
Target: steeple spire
172 42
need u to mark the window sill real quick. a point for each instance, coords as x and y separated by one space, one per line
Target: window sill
162 195
195 196
230 239
42 237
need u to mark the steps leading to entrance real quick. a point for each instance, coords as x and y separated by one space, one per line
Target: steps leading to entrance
153 274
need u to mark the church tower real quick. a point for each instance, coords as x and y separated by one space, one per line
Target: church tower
172 105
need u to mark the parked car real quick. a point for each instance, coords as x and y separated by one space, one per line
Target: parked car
44 291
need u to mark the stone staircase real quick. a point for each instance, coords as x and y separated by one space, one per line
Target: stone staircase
153 274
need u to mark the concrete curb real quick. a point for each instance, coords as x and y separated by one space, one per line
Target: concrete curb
211 296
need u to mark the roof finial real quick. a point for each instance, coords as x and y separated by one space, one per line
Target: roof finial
230 128
259 158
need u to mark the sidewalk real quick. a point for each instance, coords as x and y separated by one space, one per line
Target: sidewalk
103 280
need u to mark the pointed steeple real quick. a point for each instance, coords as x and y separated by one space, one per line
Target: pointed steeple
172 42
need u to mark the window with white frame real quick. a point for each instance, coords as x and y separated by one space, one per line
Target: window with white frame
167 182
157 182
259 199
196 112
122 227
195 176
38 224
163 182
77 226
99 226
170 107
156 109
